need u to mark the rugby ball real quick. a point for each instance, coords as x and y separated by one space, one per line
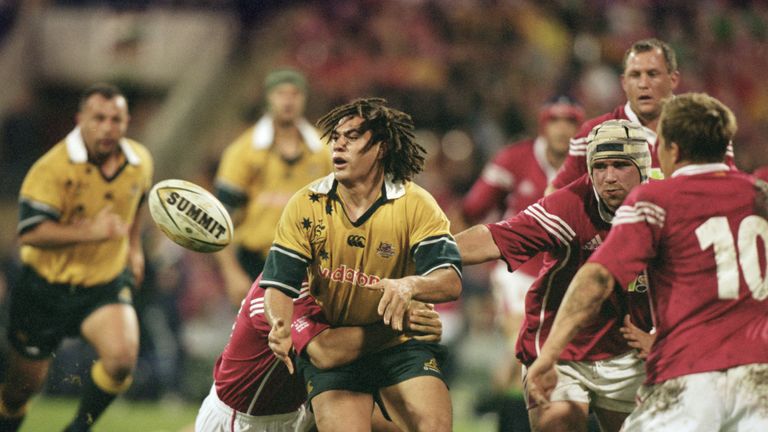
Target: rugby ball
190 215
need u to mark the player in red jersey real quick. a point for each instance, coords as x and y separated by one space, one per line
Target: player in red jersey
650 76
568 226
514 179
703 235
254 391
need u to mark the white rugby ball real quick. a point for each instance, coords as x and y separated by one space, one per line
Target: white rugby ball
190 215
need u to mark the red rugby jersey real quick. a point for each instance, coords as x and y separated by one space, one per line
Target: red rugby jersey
248 376
566 226
703 235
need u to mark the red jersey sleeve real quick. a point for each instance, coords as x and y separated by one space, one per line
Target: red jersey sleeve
536 229
634 238
308 322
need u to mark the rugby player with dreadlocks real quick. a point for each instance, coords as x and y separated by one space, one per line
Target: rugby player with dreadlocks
368 241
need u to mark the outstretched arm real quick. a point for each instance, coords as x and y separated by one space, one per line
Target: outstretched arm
278 309
441 285
338 346
588 290
105 225
476 245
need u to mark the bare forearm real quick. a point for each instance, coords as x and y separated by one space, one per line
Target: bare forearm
442 285
476 245
50 234
581 304
278 306
338 346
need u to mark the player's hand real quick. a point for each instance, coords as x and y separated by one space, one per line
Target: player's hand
423 323
542 379
280 343
396 297
105 225
637 338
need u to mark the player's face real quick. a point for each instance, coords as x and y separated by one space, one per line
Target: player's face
286 103
558 132
103 123
614 179
352 162
647 82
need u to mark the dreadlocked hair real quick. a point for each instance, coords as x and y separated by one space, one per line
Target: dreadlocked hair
403 157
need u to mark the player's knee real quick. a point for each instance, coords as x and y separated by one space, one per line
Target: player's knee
119 367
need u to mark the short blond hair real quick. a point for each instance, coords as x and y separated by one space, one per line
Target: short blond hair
699 124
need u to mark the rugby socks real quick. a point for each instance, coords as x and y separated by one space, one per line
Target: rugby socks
10 420
98 392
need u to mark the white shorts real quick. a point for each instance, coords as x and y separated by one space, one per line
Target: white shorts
735 399
216 416
608 384
509 289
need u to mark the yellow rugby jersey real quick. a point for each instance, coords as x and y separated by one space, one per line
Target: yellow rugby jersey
404 233
252 173
63 186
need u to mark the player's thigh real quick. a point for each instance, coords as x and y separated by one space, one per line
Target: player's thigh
110 323
749 405
419 403
559 416
613 382
337 410
683 404
113 330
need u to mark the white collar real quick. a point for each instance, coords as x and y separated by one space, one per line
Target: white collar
78 153
650 134
694 169
393 189
264 134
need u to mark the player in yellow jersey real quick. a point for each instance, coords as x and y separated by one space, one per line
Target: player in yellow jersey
369 241
261 170
82 257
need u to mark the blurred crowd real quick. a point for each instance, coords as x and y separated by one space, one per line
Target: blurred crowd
473 73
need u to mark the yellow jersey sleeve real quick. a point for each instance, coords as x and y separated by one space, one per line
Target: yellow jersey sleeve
433 245
41 197
235 171
291 252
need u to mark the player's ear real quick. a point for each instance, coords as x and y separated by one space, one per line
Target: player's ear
382 151
674 150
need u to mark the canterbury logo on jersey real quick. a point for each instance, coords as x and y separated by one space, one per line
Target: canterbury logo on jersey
356 241
345 274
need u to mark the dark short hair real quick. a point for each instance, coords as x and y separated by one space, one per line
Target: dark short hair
403 157
645 45
699 124
108 91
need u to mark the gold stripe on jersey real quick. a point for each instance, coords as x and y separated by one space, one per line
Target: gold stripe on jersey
404 233
253 174
63 187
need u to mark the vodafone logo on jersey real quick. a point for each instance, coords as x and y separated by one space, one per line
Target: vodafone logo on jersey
346 274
